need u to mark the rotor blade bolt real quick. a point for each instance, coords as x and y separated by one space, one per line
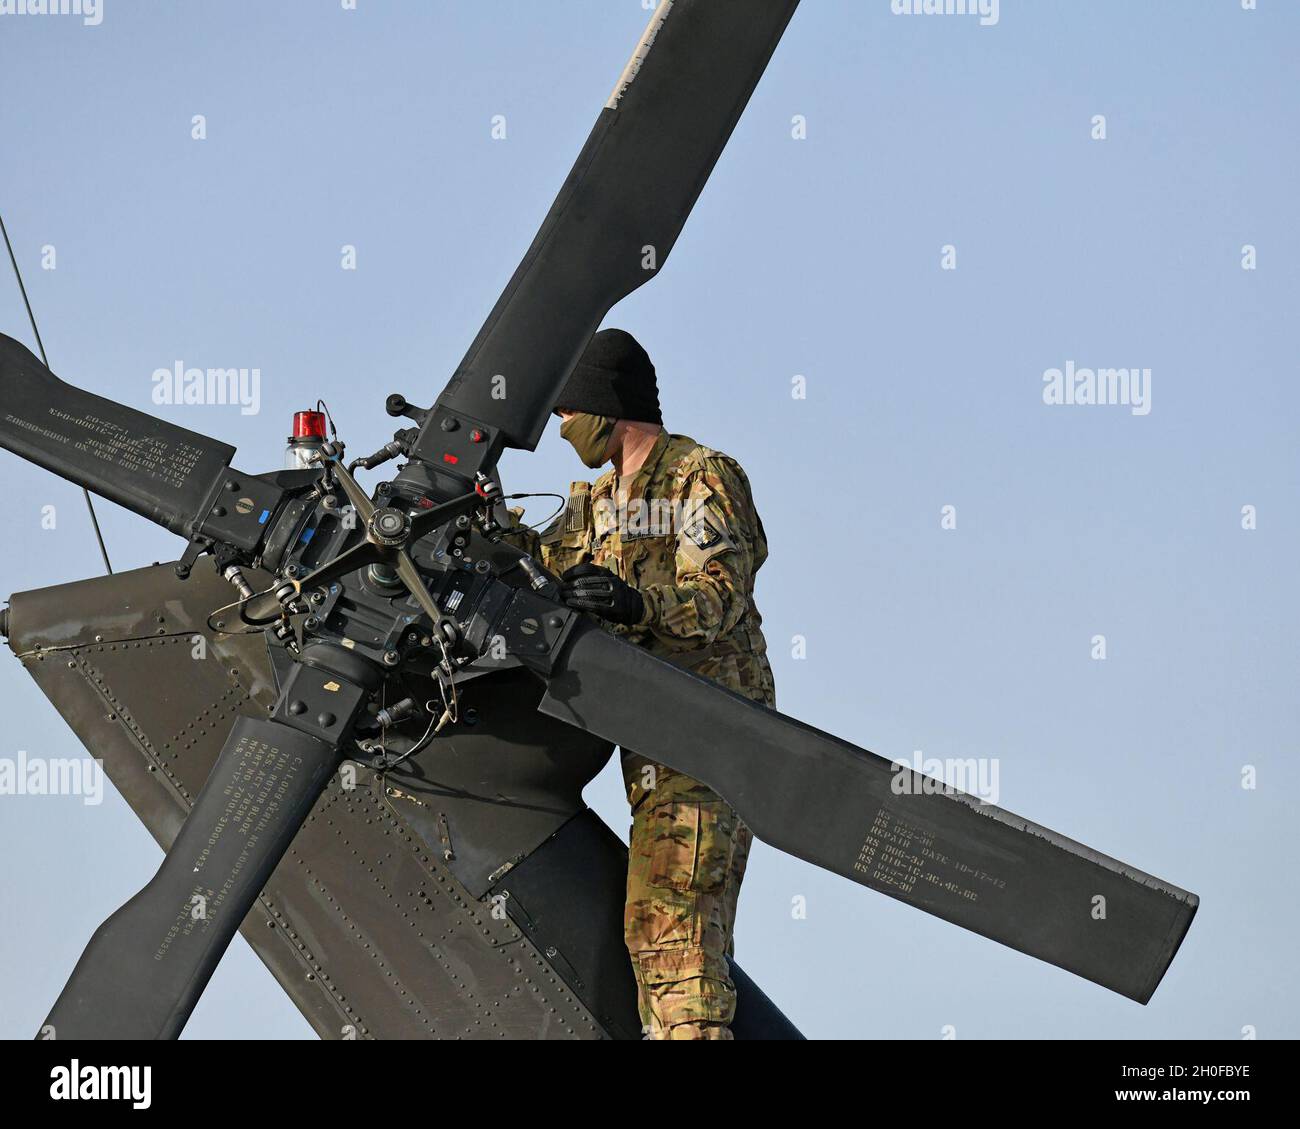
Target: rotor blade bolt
462 522
482 567
390 523
310 623
391 658
384 488
291 570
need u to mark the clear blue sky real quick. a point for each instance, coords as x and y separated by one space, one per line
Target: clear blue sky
818 257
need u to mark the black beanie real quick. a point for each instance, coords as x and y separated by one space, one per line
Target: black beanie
614 378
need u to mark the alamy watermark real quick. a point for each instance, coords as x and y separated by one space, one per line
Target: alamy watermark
1103 386
647 517
181 385
90 11
78 1082
987 10
975 776
58 776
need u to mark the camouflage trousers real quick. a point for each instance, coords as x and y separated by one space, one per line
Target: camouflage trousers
686 859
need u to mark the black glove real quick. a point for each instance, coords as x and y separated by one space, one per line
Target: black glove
590 588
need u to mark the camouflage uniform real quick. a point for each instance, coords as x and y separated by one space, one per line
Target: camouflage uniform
684 532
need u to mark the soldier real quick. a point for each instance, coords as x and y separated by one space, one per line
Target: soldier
664 547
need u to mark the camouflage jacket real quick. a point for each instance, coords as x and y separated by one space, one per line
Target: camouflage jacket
684 532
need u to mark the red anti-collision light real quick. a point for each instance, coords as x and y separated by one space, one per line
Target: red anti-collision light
309 425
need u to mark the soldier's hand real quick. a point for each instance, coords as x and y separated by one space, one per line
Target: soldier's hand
590 588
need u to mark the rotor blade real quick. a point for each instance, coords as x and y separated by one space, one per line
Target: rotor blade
147 965
620 210
856 814
152 467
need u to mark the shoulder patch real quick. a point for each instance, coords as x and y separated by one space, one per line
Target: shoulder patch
703 533
704 538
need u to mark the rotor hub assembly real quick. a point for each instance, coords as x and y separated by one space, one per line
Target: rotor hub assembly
389 526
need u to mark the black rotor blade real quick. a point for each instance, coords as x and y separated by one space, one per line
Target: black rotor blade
621 208
828 802
146 966
152 467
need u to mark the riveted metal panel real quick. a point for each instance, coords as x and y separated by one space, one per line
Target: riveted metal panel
362 924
